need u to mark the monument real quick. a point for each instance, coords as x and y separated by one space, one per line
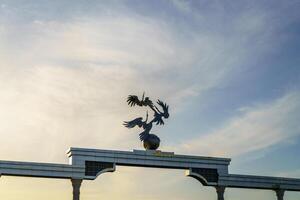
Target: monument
150 141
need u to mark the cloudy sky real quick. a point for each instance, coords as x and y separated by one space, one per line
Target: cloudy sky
230 72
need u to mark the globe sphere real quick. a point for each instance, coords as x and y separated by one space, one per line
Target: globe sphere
151 142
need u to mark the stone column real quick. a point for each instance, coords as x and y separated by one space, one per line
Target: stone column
279 194
76 183
220 192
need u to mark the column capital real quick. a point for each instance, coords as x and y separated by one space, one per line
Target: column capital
220 192
220 189
76 183
280 193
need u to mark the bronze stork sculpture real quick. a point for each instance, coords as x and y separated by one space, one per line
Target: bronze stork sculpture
150 141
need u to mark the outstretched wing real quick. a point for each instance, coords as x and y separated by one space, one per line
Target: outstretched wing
132 100
165 108
158 118
143 135
136 122
148 102
160 122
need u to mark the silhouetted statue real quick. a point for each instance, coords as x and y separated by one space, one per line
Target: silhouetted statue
150 141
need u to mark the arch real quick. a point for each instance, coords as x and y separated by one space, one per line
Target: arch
111 169
197 176
93 168
206 176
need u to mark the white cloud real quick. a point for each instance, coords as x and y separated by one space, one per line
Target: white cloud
156 50
56 107
258 128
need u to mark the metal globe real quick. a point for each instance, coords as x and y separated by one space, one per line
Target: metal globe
151 142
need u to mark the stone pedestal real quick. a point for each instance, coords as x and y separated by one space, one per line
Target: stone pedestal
279 194
76 183
220 192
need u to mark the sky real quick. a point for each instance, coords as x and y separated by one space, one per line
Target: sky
229 70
